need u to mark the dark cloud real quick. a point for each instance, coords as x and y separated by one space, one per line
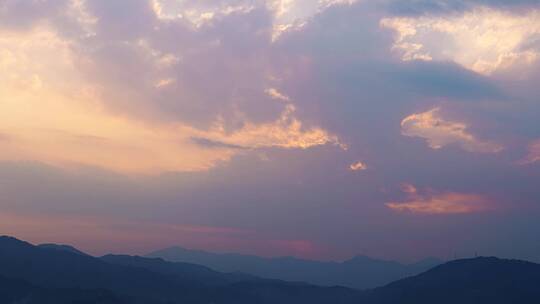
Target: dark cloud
425 7
208 143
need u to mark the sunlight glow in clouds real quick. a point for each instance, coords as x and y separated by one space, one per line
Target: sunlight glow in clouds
483 40
293 14
288 14
50 114
196 15
439 132
431 202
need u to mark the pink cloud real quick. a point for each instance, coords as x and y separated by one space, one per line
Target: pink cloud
533 154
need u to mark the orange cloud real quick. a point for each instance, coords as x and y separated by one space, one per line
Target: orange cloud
52 114
439 203
439 132
286 132
358 166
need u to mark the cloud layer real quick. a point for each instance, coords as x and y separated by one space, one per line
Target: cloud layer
238 120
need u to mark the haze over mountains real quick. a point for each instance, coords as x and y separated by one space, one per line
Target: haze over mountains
60 274
359 272
144 280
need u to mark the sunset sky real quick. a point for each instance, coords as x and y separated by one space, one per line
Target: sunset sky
313 128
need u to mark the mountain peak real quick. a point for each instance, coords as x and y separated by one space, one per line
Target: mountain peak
9 240
482 263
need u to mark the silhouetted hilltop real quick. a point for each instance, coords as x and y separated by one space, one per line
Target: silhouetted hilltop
480 280
62 247
64 269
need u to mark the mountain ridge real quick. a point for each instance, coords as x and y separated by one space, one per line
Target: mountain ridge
63 247
144 280
34 275
359 272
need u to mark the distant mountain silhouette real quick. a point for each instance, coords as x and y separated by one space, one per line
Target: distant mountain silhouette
481 280
359 272
182 271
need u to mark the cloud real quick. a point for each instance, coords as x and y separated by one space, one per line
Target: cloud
185 97
208 143
358 166
439 132
53 113
285 132
290 14
408 188
216 86
534 153
72 131
438 202
483 39
275 94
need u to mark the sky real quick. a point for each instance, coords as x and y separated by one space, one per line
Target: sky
317 129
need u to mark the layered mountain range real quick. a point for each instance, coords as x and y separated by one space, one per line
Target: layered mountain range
62 274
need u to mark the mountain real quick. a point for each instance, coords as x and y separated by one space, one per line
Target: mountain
360 272
470 281
181 271
143 280
35 275
63 269
62 248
